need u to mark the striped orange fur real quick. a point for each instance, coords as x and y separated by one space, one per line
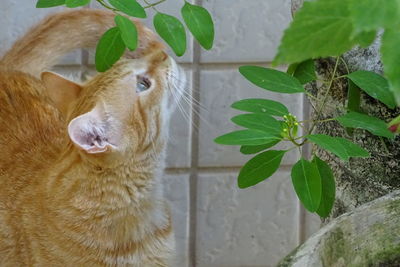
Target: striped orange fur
80 165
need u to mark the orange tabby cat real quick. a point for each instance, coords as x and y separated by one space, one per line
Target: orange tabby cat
80 165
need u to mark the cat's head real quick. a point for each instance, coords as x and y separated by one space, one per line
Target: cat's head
123 111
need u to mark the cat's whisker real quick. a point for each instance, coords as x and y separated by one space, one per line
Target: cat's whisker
197 112
185 114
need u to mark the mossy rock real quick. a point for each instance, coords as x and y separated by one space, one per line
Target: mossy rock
367 236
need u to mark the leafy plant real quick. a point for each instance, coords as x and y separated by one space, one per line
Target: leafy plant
115 41
323 28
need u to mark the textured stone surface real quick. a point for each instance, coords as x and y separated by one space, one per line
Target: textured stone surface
251 227
246 31
219 89
176 190
379 172
17 17
169 7
367 236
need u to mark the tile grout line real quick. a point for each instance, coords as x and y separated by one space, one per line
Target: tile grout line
192 253
84 56
306 153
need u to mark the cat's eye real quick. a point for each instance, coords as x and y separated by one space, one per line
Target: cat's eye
143 84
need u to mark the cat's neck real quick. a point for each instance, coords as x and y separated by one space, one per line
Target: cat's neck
125 196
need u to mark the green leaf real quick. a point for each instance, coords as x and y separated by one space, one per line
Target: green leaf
76 3
128 31
365 39
200 24
354 97
354 100
307 184
109 49
49 3
391 57
374 85
129 7
259 168
292 68
362 121
328 188
272 80
172 31
341 147
394 125
262 106
246 137
305 72
368 15
313 28
248 150
259 122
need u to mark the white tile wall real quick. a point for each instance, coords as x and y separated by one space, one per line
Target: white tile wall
247 30
252 227
18 16
218 90
176 188
236 227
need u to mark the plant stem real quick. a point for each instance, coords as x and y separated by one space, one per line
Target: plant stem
326 94
340 77
345 64
101 2
320 121
154 4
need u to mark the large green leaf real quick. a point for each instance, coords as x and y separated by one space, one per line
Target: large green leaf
49 3
391 57
260 122
341 147
305 72
374 85
200 24
76 3
354 96
362 121
128 31
246 137
248 150
328 188
272 80
129 7
307 184
313 28
370 15
262 106
365 39
260 168
109 49
172 31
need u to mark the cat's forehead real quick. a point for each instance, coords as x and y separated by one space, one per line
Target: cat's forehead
148 63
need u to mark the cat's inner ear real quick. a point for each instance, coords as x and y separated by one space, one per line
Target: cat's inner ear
93 132
60 90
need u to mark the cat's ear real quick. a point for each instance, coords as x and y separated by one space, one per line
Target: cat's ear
60 90
93 132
